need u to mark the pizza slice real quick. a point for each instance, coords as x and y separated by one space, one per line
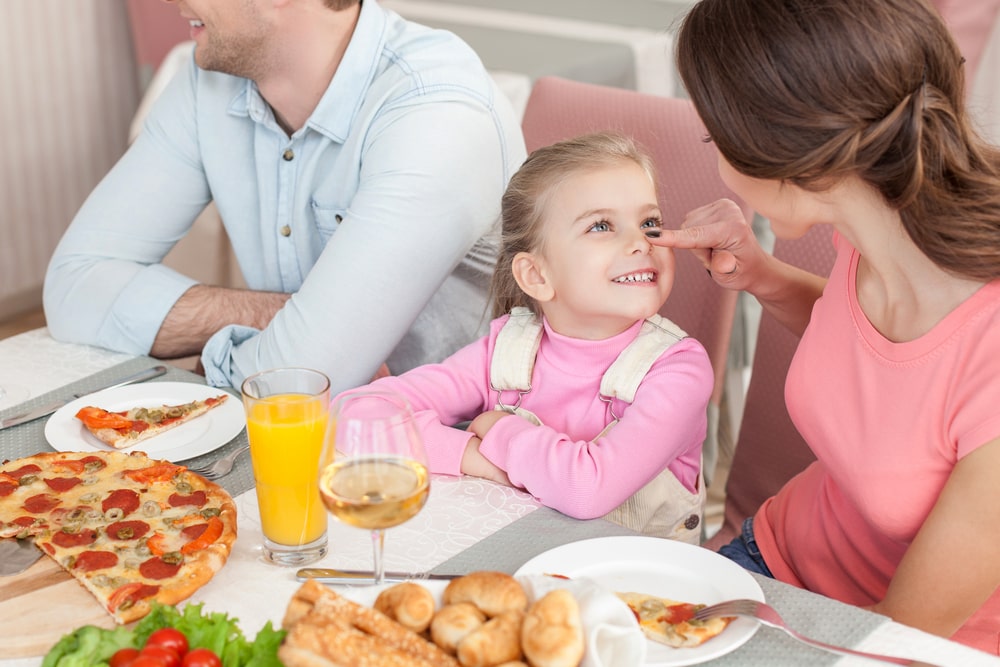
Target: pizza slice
671 622
128 427
130 529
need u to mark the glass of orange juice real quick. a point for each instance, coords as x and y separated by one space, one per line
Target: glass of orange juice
287 411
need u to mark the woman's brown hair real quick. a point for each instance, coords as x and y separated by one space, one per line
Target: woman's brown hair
811 91
522 208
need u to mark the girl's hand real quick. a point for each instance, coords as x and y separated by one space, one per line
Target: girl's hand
477 465
484 422
723 242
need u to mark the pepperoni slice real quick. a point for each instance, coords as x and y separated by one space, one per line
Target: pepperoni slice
77 538
61 484
7 488
88 561
127 530
198 499
195 531
29 469
126 500
157 568
94 463
41 503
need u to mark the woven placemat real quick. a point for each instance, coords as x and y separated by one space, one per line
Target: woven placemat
27 439
813 615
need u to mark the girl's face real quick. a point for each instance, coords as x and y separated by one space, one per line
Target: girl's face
601 272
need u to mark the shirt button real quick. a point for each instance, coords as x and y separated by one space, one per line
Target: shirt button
288 155
286 231
692 522
339 217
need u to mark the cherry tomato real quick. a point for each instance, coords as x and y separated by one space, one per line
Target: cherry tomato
148 661
172 638
201 657
167 656
123 657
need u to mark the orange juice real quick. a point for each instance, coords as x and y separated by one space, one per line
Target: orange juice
286 436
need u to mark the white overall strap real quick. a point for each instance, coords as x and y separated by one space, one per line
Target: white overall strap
623 377
514 351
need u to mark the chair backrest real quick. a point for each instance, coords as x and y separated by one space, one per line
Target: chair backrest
687 171
156 28
769 450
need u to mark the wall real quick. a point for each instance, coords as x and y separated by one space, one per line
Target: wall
69 91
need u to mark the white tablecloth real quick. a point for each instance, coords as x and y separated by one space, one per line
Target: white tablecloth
459 514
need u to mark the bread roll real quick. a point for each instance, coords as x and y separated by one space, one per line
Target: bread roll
453 622
409 604
493 592
495 642
552 633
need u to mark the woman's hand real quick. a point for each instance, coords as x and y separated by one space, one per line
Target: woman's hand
721 239
724 243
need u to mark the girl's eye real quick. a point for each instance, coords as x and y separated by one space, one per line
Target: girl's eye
706 139
601 226
652 223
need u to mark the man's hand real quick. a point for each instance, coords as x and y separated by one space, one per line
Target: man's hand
203 310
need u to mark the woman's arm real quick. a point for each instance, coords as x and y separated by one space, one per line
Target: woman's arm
951 568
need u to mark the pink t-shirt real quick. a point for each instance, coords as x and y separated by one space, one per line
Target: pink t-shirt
887 422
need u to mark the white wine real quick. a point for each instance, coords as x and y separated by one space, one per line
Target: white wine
374 492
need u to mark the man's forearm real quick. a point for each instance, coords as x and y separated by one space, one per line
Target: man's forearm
203 310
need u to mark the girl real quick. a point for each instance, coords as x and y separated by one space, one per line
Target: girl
567 393
851 112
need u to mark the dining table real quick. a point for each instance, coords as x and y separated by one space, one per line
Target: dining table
468 524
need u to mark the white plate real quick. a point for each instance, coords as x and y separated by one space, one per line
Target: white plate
210 431
664 568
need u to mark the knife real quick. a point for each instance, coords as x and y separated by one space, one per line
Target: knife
363 577
48 409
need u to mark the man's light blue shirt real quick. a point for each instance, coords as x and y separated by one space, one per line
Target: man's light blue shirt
378 216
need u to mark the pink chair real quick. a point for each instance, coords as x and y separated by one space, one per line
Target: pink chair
157 27
971 22
687 170
769 451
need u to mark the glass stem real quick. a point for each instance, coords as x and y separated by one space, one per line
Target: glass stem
378 543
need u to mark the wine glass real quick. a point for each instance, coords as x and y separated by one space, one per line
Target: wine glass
373 468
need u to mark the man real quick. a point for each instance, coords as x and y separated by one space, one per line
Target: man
357 161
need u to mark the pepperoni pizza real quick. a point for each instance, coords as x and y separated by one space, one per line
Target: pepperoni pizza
132 530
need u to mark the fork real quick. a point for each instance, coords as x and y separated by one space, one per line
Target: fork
219 467
768 616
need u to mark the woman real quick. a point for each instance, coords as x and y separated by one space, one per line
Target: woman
851 113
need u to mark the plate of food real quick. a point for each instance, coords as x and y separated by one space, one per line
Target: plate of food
174 421
663 572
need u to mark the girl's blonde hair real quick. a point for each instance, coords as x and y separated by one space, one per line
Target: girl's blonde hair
522 209
811 91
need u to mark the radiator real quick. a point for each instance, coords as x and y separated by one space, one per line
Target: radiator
68 89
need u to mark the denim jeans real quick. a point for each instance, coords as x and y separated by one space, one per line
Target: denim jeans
744 552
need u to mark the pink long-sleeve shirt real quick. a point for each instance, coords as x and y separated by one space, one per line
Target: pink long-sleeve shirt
562 463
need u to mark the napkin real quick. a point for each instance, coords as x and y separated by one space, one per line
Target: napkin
612 633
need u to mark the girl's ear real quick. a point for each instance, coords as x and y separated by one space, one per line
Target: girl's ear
529 272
